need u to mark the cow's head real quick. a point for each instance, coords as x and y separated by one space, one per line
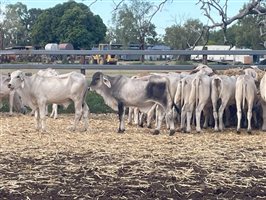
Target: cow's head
16 80
99 81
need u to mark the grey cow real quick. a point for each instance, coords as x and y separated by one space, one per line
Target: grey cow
120 91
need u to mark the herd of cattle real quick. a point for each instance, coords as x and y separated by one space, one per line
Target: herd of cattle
200 95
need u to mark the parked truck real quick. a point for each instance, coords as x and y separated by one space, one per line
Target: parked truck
107 58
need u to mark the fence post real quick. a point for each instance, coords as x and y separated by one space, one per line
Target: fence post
204 56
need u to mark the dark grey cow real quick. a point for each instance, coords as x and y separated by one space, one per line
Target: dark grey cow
120 91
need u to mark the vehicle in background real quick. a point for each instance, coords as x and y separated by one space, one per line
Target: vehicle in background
107 58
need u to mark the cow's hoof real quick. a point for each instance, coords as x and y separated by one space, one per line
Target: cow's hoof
120 130
43 131
238 131
141 125
156 132
181 130
172 132
249 132
199 132
149 126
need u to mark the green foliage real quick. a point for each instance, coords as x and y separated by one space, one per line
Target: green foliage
132 24
69 22
182 36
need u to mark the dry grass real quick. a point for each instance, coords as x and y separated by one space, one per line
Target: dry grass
102 164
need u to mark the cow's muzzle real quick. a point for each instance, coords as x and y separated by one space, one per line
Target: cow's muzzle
10 86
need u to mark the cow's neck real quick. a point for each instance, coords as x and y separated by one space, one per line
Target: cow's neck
108 98
25 93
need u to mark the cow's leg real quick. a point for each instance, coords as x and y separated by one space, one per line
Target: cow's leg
215 116
121 115
130 113
54 111
227 116
141 119
150 116
11 102
198 115
46 110
206 117
85 115
160 115
42 110
183 117
249 116
37 118
239 116
170 121
189 116
221 113
136 116
78 114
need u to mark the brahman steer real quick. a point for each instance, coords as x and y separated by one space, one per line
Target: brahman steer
194 89
223 89
263 99
245 91
120 91
37 91
14 100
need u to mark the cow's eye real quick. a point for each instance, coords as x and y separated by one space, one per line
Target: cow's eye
18 77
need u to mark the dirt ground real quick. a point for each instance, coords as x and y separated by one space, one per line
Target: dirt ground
102 164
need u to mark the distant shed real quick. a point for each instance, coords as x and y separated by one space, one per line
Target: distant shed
66 46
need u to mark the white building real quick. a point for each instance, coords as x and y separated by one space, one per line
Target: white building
245 59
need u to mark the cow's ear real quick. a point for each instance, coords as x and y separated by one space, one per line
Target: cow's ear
106 82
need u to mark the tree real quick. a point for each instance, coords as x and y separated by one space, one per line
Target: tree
214 7
248 33
133 23
15 32
184 36
17 23
69 22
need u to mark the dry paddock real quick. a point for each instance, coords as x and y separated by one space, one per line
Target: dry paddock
102 164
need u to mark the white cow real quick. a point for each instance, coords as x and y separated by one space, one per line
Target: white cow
223 88
263 99
14 100
246 91
37 91
194 94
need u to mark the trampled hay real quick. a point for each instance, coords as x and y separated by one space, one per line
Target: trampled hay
102 164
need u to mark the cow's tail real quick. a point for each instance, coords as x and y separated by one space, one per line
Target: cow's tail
183 83
244 90
217 83
196 83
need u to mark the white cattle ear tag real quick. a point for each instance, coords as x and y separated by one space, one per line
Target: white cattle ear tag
106 82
